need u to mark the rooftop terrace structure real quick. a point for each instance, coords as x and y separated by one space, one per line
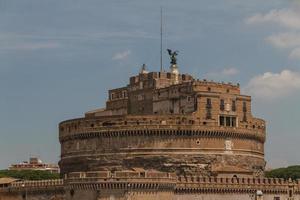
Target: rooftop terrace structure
35 164
168 122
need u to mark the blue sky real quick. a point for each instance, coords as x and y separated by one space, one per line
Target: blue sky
59 58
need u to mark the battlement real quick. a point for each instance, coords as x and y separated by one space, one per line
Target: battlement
236 185
122 180
37 184
105 175
53 185
181 184
122 124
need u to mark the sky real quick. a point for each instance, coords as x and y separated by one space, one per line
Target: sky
58 58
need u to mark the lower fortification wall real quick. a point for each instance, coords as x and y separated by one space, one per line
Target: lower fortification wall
232 197
34 190
149 185
31 196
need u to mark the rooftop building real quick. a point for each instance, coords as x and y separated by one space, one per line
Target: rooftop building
35 164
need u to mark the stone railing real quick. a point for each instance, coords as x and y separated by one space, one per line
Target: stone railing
39 183
236 185
55 185
121 180
148 180
121 174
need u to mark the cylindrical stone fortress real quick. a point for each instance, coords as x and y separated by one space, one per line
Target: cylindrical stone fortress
189 127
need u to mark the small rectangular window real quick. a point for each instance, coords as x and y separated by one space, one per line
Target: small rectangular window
208 103
233 121
244 107
228 119
244 117
222 121
222 105
233 106
208 114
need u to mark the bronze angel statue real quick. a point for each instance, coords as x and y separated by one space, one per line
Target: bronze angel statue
173 55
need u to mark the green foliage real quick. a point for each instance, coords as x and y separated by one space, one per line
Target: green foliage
29 174
292 172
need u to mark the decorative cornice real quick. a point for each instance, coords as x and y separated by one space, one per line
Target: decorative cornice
166 133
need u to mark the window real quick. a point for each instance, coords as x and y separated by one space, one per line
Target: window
208 108
233 122
228 121
222 121
208 103
124 94
290 193
222 105
233 106
244 117
208 114
244 106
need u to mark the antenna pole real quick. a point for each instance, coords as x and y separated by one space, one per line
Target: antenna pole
161 30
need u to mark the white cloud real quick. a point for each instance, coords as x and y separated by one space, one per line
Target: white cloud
274 85
289 18
284 40
295 53
121 55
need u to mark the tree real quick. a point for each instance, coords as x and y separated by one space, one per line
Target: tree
292 172
29 174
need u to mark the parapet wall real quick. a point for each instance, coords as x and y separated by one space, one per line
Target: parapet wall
34 190
150 185
122 124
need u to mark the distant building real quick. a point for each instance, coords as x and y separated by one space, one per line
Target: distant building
35 164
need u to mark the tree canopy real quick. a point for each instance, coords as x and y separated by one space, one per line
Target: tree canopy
292 172
29 174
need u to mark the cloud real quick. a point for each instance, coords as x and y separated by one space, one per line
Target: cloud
288 40
285 17
121 55
273 85
284 40
288 18
295 53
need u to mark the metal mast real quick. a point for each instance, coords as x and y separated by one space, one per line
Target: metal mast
161 30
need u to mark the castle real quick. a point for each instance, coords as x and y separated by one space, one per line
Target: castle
167 136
